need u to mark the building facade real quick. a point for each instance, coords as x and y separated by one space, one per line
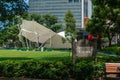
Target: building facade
87 8
59 8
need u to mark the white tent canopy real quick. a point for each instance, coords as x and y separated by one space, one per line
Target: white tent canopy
57 42
62 34
35 32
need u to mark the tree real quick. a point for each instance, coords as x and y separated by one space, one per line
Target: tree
106 15
12 36
1 37
71 32
37 18
51 22
10 8
10 33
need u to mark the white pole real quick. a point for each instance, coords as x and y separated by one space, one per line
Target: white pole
50 41
82 14
26 42
37 38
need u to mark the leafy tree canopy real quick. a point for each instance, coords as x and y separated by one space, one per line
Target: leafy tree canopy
10 8
105 18
70 29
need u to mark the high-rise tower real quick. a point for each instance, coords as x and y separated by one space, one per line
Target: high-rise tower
59 8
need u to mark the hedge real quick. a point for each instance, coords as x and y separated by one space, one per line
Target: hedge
84 69
112 50
57 70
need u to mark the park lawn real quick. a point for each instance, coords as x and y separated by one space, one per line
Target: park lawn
27 55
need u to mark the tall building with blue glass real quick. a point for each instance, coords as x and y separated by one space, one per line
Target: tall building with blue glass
59 8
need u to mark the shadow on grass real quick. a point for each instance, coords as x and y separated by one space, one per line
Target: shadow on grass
55 58
14 58
37 58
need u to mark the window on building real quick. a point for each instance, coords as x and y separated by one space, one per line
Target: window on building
70 1
76 0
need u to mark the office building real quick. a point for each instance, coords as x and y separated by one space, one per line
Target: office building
60 7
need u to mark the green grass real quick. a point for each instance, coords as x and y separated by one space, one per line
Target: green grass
27 55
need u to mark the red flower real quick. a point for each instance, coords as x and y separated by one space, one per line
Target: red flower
90 37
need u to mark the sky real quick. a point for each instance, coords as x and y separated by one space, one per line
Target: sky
26 1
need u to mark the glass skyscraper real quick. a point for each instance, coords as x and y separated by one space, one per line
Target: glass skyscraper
59 8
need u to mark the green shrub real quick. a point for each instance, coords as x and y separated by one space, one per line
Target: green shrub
9 68
118 51
105 39
98 70
109 59
35 69
112 50
1 69
84 71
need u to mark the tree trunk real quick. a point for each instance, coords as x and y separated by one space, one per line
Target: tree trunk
109 38
94 51
110 42
73 51
110 35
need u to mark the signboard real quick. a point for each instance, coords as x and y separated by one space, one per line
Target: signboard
84 51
